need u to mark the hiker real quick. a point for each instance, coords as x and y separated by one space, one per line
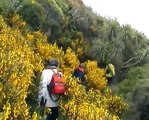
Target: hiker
110 72
79 73
44 98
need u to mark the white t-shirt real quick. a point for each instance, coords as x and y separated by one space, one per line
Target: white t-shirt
46 77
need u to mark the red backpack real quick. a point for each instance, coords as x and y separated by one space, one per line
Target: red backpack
57 85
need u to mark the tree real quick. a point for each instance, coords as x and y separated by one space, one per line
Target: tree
134 49
33 14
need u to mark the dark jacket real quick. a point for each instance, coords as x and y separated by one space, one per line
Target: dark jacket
79 73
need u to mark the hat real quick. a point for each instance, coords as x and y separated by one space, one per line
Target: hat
53 62
82 65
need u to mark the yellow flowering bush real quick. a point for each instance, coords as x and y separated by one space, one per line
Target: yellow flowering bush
70 60
95 76
17 69
114 103
24 53
81 103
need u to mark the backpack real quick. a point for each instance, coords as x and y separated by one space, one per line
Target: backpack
57 85
79 73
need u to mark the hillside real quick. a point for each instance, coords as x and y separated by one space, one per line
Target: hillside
41 28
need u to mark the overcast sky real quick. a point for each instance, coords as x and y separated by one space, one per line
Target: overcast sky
133 12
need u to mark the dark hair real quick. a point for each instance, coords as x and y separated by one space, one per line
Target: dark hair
53 62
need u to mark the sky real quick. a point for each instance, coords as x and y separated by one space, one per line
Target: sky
132 12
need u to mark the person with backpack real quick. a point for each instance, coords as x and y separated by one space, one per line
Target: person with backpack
79 73
49 90
110 72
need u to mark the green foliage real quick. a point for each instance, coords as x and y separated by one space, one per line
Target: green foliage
132 79
33 14
134 89
68 22
58 5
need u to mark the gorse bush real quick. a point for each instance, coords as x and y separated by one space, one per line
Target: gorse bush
23 55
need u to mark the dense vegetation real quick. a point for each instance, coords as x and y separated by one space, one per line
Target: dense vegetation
32 31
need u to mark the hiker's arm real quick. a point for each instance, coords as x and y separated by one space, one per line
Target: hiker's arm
108 75
113 71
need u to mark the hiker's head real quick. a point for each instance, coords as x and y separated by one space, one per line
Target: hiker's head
53 62
82 65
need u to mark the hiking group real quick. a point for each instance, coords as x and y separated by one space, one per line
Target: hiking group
52 86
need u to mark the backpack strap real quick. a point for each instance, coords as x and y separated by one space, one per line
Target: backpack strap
56 99
53 70
57 72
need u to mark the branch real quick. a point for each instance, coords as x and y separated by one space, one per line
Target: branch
125 63
130 65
